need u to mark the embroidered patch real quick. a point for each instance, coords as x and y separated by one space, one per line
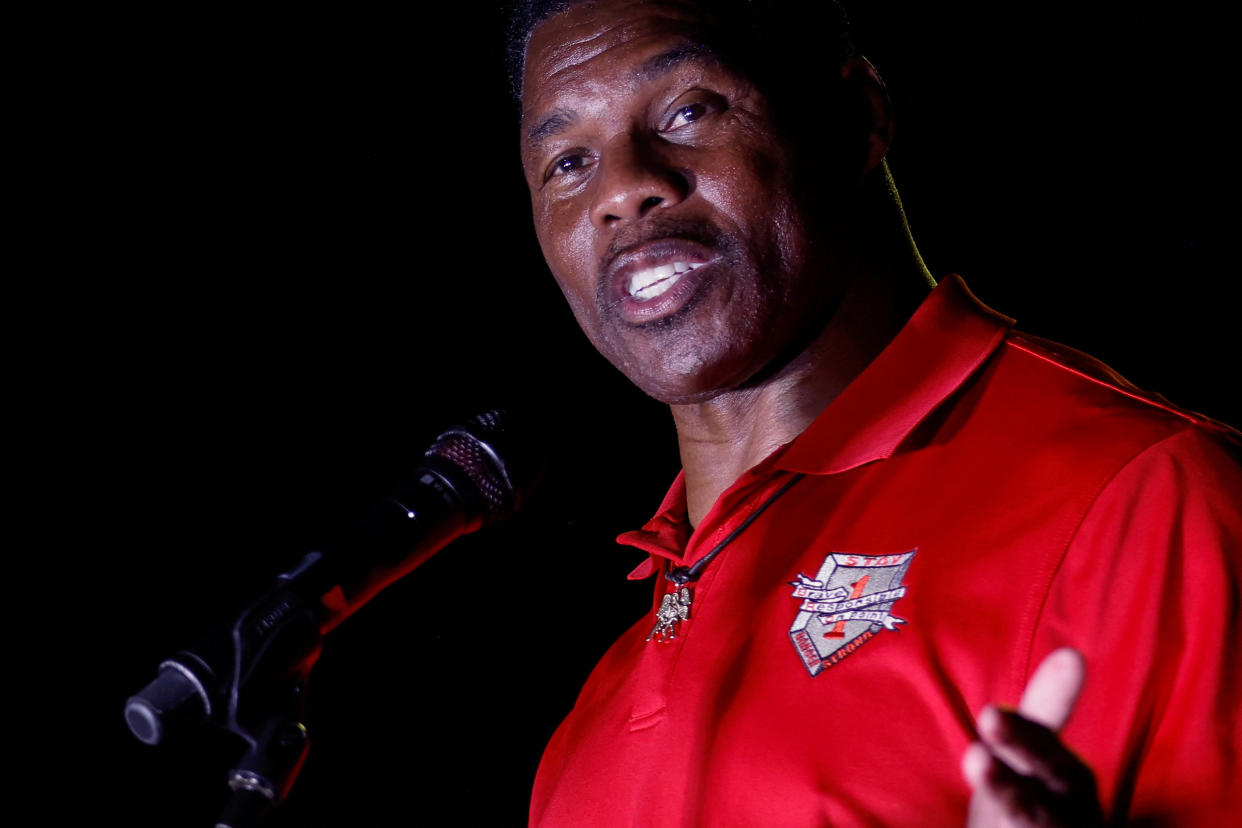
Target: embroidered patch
845 604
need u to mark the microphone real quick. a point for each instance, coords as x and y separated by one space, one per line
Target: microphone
473 475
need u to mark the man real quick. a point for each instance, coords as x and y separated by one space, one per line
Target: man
895 512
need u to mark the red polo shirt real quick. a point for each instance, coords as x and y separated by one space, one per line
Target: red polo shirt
973 500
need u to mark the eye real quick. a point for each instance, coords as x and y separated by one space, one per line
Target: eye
684 114
568 163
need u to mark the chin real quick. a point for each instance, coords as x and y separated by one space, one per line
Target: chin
677 386
706 350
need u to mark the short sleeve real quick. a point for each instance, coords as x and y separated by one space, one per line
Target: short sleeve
1148 590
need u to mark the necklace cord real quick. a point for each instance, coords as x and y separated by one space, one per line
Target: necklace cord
682 575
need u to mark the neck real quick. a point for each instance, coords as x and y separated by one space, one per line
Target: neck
724 436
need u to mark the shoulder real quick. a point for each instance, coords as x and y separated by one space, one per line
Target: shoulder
1158 525
1082 384
1046 437
1050 407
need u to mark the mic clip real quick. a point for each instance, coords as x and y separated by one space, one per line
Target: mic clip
249 678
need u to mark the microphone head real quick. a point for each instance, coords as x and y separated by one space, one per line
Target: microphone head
501 463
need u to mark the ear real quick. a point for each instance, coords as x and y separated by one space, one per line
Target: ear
863 83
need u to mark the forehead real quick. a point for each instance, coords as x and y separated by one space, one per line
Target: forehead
597 45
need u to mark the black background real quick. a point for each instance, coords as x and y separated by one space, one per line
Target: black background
260 263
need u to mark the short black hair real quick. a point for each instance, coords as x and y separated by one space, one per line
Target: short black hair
524 16
771 41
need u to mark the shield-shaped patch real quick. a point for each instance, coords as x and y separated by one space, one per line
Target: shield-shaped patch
845 604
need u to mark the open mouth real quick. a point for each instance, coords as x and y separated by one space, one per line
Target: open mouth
651 282
656 278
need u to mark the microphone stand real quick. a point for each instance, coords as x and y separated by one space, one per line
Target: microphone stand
250 676
250 679
271 718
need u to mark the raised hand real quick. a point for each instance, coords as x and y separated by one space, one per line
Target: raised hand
1020 772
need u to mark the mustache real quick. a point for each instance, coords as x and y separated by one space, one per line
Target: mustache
662 227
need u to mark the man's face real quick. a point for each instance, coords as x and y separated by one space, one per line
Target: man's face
663 199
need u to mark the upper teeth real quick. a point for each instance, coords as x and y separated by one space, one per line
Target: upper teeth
650 283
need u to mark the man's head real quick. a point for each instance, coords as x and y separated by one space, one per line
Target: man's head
774 42
689 200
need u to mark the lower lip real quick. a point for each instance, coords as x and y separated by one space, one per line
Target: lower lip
638 311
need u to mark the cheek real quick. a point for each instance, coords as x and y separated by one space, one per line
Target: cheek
755 194
749 172
563 242
566 249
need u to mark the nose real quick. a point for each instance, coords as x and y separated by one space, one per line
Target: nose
636 178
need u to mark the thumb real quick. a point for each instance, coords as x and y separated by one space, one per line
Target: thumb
1053 688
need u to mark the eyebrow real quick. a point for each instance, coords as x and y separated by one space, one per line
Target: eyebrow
659 65
651 69
557 121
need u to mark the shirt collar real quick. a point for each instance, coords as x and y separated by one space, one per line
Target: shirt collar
950 335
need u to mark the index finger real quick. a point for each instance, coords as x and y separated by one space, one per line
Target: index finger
1053 688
